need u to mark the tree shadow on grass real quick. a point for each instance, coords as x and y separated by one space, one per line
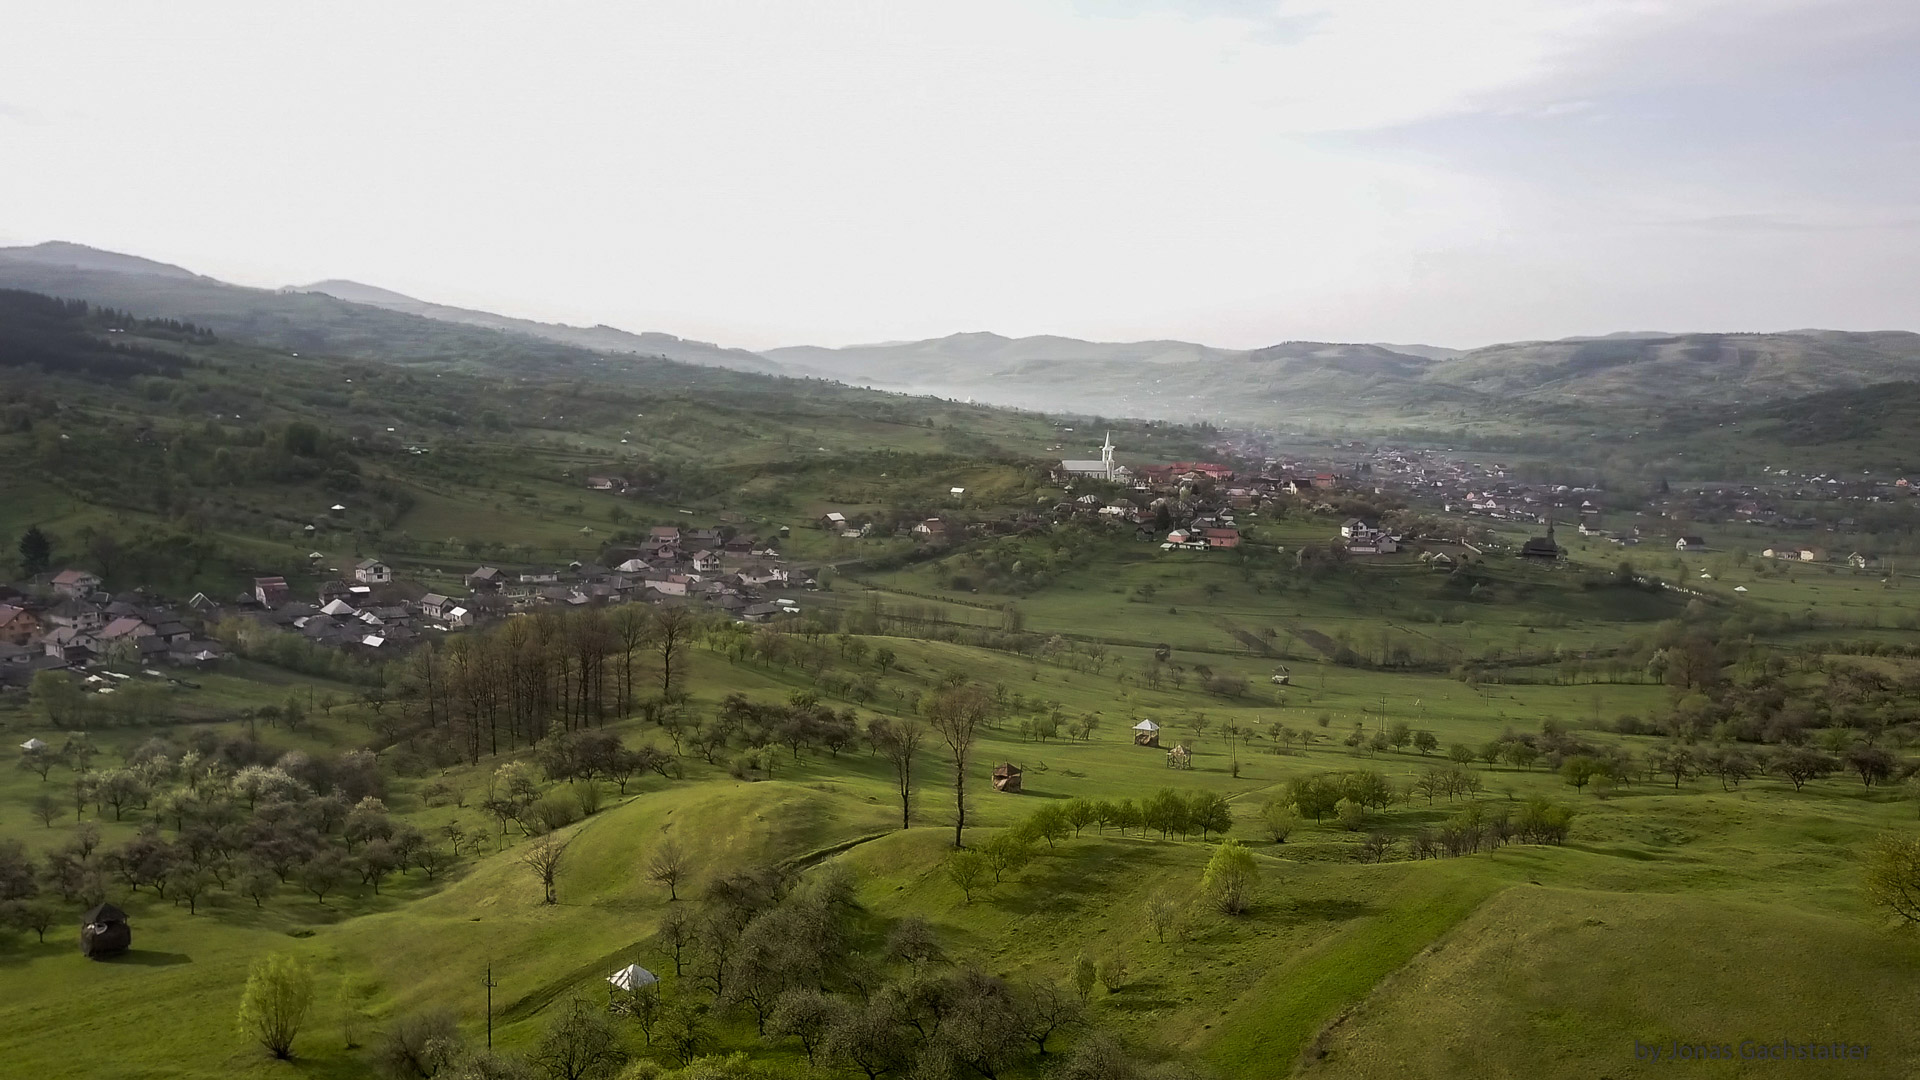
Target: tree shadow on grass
1332 910
1619 852
1144 995
28 951
150 958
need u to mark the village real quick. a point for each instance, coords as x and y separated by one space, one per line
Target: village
68 621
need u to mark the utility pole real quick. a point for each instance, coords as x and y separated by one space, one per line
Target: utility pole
489 984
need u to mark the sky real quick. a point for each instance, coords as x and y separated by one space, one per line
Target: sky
1236 172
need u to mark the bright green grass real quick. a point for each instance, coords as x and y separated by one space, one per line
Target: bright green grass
1248 997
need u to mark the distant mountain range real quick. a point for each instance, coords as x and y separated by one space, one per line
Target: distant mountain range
602 339
1172 379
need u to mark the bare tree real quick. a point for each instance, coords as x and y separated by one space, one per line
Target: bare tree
668 868
672 633
899 743
630 629
581 1045
957 714
678 932
1043 1009
545 857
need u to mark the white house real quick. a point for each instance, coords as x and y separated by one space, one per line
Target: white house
372 572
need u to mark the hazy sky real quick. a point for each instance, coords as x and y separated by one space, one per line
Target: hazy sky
785 172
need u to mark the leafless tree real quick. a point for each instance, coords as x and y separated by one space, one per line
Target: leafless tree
671 634
957 714
899 742
545 857
668 868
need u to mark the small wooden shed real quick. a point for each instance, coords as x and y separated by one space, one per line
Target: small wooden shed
104 932
1006 778
1146 733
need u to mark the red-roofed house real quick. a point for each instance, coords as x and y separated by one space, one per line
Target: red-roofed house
270 591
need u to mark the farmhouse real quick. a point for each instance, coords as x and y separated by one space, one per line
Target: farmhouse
76 582
372 572
17 625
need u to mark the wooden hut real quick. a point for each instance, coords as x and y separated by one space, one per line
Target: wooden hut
1146 733
1006 778
104 932
1180 757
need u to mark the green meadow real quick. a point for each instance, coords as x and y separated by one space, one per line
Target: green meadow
1671 912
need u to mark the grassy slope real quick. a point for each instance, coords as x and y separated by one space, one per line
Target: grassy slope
1242 995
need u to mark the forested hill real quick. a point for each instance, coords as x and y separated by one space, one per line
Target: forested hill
1355 385
71 337
603 339
317 323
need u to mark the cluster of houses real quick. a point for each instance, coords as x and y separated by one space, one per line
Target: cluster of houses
67 621
71 623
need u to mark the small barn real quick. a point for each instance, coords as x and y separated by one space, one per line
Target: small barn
633 977
1006 778
1180 757
1146 733
104 932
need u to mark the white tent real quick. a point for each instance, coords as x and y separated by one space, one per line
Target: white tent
1146 725
33 744
632 977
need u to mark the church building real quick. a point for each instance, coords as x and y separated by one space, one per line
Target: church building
1101 469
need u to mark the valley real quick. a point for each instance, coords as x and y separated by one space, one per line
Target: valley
463 662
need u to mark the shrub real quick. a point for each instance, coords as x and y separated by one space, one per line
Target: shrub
556 810
1231 879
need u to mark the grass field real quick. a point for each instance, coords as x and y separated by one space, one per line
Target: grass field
1524 961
